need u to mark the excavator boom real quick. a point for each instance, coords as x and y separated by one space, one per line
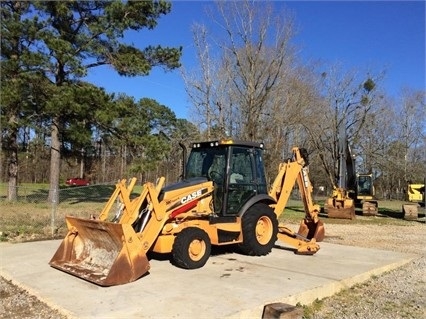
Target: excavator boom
341 203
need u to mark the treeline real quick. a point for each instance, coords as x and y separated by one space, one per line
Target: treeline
258 87
250 85
142 143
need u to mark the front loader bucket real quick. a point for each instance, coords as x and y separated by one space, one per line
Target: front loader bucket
101 252
310 229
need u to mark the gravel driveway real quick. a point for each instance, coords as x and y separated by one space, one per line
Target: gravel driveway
400 293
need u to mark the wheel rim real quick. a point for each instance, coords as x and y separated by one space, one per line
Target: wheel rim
197 249
264 229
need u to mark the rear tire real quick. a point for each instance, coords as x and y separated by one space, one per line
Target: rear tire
191 249
260 229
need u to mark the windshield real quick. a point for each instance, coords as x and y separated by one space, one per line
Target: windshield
364 185
202 161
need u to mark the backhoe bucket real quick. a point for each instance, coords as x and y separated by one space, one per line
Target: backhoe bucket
101 252
344 208
369 208
310 229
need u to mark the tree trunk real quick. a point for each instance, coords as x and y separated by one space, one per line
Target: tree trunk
13 171
55 162
82 163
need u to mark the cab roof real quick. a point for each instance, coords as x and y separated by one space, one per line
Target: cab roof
227 142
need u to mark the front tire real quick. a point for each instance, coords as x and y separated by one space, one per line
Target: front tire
260 229
191 248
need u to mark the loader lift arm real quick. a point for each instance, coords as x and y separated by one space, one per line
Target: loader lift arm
129 209
311 229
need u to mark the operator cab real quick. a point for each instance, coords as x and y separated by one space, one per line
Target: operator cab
236 169
364 185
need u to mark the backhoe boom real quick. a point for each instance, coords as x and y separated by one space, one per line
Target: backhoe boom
311 229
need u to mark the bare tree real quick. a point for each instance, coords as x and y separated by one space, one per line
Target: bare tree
233 94
288 113
259 51
349 100
391 144
412 123
203 86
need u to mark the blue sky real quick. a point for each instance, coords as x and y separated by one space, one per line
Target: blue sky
376 35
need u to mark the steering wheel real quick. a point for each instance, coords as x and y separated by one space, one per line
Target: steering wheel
215 176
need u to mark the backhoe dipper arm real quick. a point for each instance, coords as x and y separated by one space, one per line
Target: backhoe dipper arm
305 187
295 170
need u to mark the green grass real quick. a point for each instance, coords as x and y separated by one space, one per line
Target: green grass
390 213
31 216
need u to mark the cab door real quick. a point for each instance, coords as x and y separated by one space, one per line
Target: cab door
246 178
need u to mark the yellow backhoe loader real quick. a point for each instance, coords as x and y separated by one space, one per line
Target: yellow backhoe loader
222 200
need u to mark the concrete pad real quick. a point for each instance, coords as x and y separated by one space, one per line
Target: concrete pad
230 285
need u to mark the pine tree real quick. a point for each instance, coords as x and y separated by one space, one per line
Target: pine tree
68 38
